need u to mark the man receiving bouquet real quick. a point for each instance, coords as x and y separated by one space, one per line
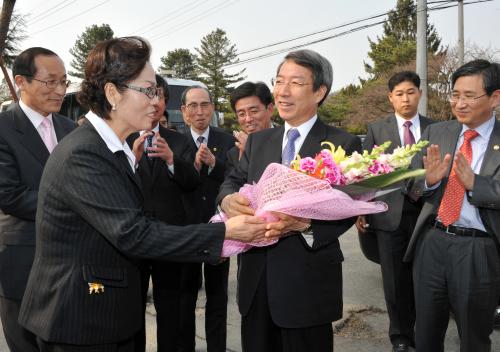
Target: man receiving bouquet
290 292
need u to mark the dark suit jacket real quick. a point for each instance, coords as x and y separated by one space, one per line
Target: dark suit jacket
379 132
304 284
233 159
486 190
163 191
202 199
91 229
23 155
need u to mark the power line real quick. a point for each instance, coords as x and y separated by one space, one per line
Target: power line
280 51
72 17
192 20
50 11
179 11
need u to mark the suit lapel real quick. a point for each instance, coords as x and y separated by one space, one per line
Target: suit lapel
424 122
312 143
491 160
276 139
29 136
393 132
449 145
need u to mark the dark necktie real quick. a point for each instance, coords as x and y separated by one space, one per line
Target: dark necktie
149 143
408 137
200 140
451 204
289 152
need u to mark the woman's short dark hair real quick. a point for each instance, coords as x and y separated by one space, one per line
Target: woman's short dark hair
117 61
24 64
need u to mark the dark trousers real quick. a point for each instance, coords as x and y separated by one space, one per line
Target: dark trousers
216 277
18 338
456 273
397 277
260 334
123 346
166 278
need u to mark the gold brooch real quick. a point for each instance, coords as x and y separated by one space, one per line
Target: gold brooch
496 147
96 288
215 149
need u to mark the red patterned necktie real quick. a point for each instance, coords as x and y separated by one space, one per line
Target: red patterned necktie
451 204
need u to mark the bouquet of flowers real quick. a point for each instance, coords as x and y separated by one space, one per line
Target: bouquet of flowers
330 186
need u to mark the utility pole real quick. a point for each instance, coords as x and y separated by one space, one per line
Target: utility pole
460 32
422 53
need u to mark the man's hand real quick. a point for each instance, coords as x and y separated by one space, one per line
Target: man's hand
286 224
464 171
361 224
235 204
205 156
161 150
245 228
241 140
138 146
435 168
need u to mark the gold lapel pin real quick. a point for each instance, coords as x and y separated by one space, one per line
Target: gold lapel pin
96 288
215 149
496 147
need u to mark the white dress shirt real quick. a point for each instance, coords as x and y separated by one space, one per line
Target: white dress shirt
303 129
414 128
110 138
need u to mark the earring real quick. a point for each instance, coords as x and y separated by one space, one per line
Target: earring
113 108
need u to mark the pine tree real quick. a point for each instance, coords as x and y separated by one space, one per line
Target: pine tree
181 61
397 46
85 43
216 52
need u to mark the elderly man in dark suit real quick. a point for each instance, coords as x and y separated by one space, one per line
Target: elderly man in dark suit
394 227
253 105
28 133
289 293
84 289
167 172
455 245
212 145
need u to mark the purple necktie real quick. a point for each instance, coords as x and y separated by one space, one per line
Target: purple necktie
408 138
288 153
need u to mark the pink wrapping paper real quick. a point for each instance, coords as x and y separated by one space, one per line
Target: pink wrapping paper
283 190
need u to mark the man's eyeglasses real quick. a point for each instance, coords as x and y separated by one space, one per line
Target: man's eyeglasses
52 84
150 92
294 84
194 106
469 100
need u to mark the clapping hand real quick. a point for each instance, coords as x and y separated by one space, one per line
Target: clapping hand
241 140
161 150
138 146
435 168
204 156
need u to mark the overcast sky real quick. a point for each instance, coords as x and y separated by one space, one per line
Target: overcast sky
55 24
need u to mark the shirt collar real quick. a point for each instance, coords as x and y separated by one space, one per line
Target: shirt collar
484 129
35 117
109 137
195 135
154 129
415 121
304 128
